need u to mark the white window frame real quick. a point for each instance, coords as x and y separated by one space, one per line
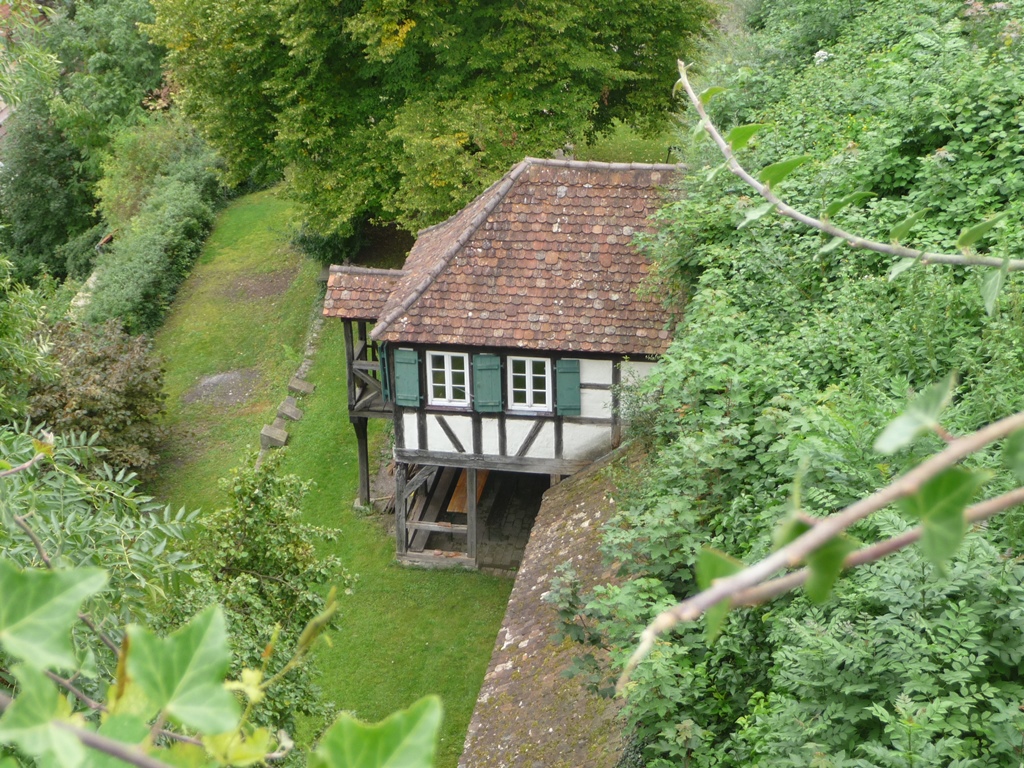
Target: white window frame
449 386
530 390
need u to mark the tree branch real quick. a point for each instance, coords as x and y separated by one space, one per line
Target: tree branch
826 528
854 241
22 467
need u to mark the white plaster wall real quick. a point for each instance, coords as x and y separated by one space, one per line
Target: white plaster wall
596 371
585 441
462 426
489 436
595 403
543 445
411 434
634 371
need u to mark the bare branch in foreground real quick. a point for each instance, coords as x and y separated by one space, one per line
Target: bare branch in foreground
854 241
827 528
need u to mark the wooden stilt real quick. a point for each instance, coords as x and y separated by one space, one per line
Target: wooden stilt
364 461
401 472
471 507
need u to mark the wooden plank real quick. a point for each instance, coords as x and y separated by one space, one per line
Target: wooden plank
438 527
436 503
509 463
402 542
425 474
473 489
437 559
458 502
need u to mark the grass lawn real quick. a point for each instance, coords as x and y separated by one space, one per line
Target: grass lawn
404 633
624 145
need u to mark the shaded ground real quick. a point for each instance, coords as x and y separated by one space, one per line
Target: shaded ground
259 286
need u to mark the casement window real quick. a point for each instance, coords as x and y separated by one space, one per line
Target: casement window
529 384
448 377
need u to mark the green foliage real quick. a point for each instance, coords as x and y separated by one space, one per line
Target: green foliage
22 351
108 384
793 357
260 563
404 740
405 111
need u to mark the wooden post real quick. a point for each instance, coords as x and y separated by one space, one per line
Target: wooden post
401 473
364 460
350 363
471 514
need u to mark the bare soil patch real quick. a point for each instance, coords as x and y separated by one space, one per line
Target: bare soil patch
229 388
259 286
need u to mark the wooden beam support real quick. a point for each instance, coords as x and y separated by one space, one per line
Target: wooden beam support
437 527
471 514
401 472
507 463
362 448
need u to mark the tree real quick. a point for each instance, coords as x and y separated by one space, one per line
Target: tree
22 343
405 111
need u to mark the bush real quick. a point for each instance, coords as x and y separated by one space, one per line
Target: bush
108 384
261 565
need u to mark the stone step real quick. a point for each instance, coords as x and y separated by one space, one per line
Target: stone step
299 387
273 437
288 410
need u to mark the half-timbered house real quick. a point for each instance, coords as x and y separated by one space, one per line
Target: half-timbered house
500 344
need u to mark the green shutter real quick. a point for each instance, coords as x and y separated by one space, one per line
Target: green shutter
487 383
407 378
385 372
567 387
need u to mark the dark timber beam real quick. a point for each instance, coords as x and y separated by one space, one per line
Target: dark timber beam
362 448
471 514
401 500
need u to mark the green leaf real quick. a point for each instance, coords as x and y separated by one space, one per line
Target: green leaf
901 230
831 245
38 609
740 136
753 214
774 174
127 729
902 266
183 674
921 416
708 94
789 530
713 564
4 465
826 563
851 199
992 284
939 505
234 748
971 235
698 129
406 739
1013 454
29 722
717 170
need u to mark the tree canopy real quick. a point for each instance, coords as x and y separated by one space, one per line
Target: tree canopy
404 111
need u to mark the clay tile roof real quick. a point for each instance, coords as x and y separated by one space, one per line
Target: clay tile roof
357 293
541 260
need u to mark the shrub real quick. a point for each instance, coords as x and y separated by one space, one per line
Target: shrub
108 384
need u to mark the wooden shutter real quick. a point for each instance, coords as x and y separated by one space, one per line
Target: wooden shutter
385 371
567 387
407 378
487 383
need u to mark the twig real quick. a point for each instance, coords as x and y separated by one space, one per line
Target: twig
22 467
854 241
827 528
70 687
19 520
973 514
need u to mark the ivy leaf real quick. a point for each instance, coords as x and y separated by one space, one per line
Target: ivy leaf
901 230
406 739
826 563
740 136
921 416
851 199
774 174
939 505
709 93
127 729
183 674
831 245
1013 454
29 722
901 266
38 609
713 564
971 235
753 214
233 748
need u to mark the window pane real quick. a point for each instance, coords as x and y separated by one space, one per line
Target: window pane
539 367
458 363
519 397
519 381
458 393
437 362
437 377
438 390
459 378
540 398
518 366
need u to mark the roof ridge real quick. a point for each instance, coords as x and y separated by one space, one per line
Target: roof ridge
502 186
352 269
596 164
